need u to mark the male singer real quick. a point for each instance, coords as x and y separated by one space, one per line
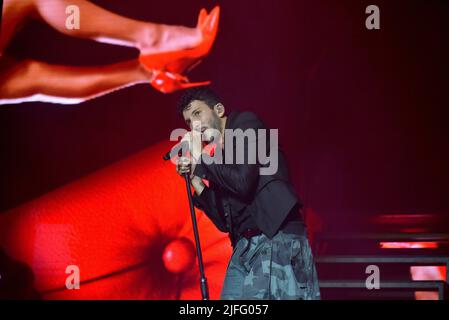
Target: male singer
271 256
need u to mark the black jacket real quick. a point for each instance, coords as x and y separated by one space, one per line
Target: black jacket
236 189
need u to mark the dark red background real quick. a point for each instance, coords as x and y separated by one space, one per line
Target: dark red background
362 114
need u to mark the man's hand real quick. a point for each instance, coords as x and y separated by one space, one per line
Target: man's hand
195 145
187 164
184 166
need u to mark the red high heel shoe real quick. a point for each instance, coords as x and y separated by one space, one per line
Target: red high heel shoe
167 82
201 17
179 61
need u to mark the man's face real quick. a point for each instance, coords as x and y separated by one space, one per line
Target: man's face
198 113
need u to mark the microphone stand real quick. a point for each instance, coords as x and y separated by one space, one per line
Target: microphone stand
203 280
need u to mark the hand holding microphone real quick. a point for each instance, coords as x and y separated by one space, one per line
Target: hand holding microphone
191 141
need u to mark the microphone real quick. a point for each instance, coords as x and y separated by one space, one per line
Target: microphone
179 149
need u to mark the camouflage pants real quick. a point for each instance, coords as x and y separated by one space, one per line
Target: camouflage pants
277 268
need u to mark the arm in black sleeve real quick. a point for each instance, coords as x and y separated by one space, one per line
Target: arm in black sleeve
207 202
239 179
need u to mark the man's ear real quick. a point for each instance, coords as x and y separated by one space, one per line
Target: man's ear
219 110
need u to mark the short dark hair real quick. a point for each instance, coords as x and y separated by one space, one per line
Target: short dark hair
203 93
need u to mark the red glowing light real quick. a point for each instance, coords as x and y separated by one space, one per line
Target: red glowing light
408 245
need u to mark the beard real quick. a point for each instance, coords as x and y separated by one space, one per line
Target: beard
216 125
